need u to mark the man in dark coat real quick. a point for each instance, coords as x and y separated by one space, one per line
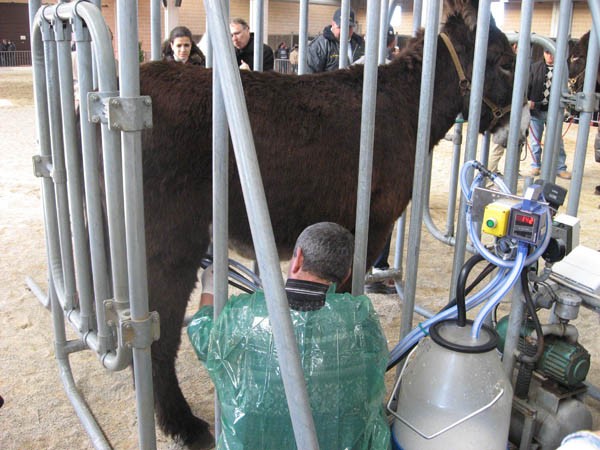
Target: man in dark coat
324 50
243 41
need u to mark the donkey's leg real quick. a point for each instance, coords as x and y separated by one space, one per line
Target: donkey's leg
170 288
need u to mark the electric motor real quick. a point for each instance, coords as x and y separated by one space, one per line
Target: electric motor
566 363
563 362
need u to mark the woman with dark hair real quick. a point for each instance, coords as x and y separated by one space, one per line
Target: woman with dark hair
181 48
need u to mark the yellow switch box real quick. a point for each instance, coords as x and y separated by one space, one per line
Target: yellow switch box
495 218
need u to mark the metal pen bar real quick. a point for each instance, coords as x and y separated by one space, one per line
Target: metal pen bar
512 160
344 35
422 151
589 93
519 95
594 6
155 27
262 233
367 135
303 37
383 27
479 64
553 139
129 76
220 207
259 26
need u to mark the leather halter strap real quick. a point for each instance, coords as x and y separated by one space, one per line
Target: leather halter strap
465 84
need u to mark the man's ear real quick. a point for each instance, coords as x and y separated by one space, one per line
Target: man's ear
296 262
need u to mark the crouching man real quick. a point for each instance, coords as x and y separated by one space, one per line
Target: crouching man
342 348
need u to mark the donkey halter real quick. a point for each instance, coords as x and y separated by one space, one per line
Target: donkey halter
465 84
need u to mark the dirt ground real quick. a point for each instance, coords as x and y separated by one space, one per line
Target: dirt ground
37 414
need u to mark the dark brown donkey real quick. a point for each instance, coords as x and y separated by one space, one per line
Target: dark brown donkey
306 130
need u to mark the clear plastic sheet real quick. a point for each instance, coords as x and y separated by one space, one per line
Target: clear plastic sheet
344 356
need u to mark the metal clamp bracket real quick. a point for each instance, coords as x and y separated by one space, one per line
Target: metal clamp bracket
139 333
42 166
581 102
130 114
98 106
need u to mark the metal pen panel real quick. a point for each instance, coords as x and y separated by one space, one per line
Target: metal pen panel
74 177
303 37
66 288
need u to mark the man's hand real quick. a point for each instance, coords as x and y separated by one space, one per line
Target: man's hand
244 66
207 280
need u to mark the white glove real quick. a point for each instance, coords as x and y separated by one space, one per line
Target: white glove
207 280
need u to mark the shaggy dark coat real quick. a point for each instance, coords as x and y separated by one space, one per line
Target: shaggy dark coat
309 171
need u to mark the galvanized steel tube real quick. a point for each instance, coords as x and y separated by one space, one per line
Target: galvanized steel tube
367 134
422 151
559 82
478 77
589 92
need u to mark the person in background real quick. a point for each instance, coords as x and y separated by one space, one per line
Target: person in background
243 41
342 349
3 55
181 48
323 51
294 58
538 95
390 46
282 52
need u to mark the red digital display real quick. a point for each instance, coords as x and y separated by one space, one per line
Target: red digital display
521 219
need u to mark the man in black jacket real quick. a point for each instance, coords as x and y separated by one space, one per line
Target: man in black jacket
324 50
243 41
538 95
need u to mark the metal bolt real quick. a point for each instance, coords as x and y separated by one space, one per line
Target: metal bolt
95 119
115 125
148 124
147 102
94 97
115 102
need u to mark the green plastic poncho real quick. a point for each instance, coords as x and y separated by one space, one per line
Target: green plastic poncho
344 357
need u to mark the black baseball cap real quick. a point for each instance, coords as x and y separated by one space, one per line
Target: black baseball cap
337 18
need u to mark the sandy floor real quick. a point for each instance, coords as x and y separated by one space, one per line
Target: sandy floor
37 414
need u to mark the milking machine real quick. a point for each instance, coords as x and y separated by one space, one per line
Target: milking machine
453 390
